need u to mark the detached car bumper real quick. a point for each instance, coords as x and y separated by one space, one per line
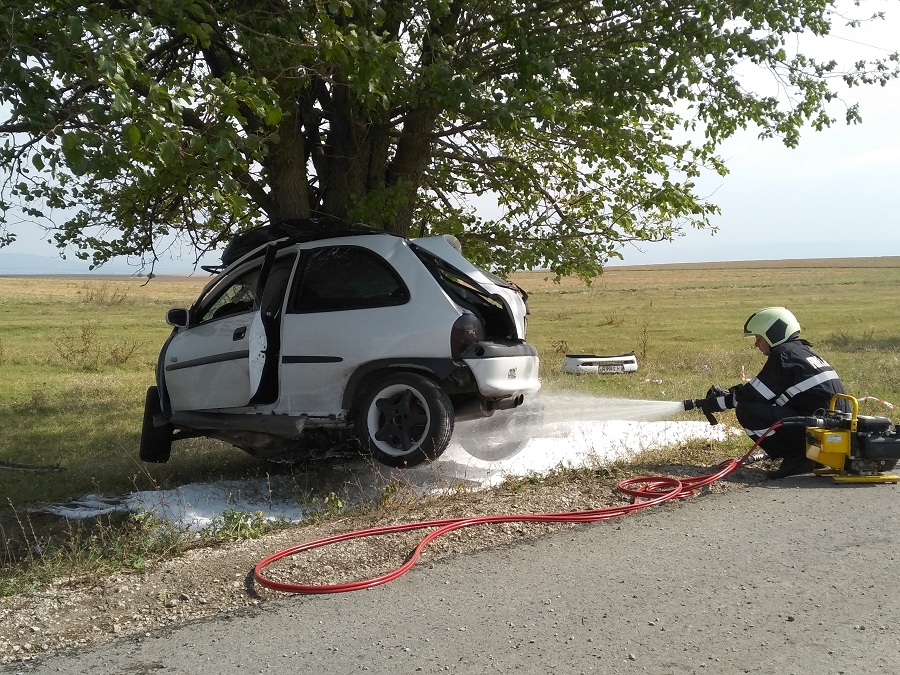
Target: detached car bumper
503 369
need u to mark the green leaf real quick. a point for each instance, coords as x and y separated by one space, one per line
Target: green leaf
205 118
273 116
132 135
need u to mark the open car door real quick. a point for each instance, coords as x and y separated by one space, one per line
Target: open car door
219 359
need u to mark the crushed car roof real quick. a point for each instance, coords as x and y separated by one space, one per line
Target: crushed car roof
292 231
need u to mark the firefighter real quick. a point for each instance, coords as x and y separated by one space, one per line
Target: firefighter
795 381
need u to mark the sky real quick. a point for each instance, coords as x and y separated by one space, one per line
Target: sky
833 196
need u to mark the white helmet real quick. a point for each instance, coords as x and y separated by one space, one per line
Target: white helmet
774 324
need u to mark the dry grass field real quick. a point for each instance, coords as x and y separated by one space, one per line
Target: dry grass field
78 353
685 322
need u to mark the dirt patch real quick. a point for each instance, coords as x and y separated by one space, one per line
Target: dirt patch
205 582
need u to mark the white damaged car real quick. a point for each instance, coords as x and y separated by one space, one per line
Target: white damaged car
306 340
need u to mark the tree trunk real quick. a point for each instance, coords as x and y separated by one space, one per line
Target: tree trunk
410 162
345 175
415 145
290 183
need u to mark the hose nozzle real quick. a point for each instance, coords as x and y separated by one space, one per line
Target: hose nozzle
704 405
803 422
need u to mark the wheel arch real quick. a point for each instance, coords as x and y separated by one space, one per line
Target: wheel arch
444 371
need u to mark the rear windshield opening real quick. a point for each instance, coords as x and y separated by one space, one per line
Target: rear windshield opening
496 318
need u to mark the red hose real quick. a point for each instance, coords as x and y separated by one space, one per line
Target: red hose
645 491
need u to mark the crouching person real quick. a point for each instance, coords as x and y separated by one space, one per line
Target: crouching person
795 381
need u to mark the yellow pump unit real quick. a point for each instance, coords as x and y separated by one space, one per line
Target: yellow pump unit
854 448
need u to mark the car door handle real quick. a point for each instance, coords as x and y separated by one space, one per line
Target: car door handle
239 334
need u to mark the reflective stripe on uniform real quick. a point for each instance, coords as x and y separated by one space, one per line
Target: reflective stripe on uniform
756 434
763 390
806 385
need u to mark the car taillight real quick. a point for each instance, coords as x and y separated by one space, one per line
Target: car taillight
467 329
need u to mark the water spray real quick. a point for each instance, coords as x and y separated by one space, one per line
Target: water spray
558 408
584 408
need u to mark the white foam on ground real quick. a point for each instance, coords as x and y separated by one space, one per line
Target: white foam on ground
194 506
572 445
531 440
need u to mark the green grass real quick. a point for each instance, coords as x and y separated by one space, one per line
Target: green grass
77 355
76 358
684 323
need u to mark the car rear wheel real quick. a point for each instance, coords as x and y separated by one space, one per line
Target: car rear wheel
156 442
405 419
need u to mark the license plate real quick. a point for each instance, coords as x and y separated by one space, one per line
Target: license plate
610 369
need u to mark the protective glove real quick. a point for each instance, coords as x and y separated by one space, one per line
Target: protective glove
719 399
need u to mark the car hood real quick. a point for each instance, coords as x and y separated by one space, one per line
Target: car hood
512 296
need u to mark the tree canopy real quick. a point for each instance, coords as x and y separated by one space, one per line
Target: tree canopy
583 123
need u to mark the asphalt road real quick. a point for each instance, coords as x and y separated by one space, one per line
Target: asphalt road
796 576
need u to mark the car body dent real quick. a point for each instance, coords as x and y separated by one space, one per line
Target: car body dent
504 292
326 359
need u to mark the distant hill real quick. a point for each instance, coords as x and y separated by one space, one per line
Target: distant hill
17 264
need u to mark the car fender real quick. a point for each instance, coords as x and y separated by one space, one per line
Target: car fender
164 403
440 369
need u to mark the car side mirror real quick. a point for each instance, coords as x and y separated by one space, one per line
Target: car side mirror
177 317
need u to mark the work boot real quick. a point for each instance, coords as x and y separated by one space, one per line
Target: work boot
792 466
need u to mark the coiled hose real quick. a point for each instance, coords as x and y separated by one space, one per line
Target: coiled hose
645 491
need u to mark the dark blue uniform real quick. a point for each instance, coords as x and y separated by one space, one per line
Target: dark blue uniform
795 381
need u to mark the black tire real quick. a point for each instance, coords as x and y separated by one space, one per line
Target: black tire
405 419
156 442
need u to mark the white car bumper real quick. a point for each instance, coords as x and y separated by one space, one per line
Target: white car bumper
502 371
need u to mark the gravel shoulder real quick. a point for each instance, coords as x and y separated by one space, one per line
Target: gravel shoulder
74 613
793 576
